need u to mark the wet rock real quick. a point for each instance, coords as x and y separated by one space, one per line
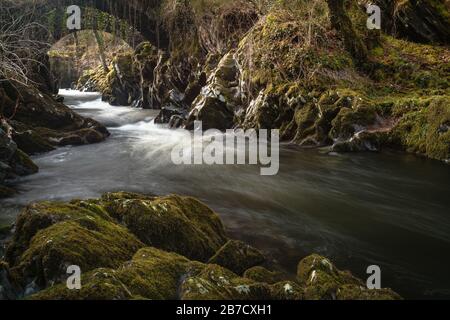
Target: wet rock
287 290
419 21
151 274
237 256
7 291
323 281
88 242
166 115
355 292
176 121
220 98
217 283
39 123
22 165
28 140
177 224
13 161
261 274
5 230
102 237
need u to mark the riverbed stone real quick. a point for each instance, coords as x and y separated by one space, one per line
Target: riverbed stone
176 224
287 290
261 274
151 274
39 216
237 256
217 283
137 246
89 242
7 290
323 281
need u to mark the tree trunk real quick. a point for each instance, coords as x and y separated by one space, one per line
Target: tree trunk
342 23
101 45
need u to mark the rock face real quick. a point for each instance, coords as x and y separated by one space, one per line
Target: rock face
237 257
13 161
175 224
34 122
323 281
220 98
133 246
425 21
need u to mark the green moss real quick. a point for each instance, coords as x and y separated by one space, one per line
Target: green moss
100 284
40 216
261 274
323 281
151 274
217 283
22 164
176 224
426 131
89 242
237 257
5 229
287 290
355 292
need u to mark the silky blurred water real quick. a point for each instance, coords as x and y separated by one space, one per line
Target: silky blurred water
392 210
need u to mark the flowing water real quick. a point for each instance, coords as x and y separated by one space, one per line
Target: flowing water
391 210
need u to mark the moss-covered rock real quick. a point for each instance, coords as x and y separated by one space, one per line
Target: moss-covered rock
220 98
89 242
39 216
355 292
261 274
237 256
97 235
22 165
151 274
7 291
28 139
5 229
426 130
323 281
217 283
287 290
175 224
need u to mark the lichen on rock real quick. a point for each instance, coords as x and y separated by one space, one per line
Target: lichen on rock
237 256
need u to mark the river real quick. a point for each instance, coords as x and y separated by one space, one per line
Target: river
386 209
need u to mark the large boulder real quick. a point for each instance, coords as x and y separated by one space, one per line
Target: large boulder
217 283
40 122
107 239
220 98
323 281
7 290
151 274
237 256
87 239
13 161
176 224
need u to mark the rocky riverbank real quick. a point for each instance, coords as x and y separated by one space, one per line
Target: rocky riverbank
292 68
34 122
134 246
